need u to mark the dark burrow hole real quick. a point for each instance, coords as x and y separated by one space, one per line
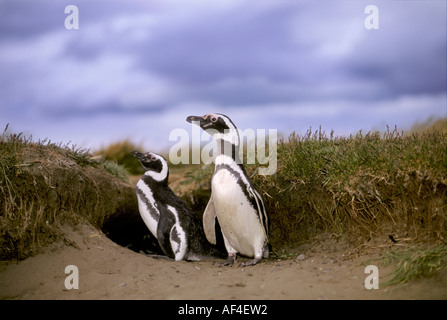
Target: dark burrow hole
128 230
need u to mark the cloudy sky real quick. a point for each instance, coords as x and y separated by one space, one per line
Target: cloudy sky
136 69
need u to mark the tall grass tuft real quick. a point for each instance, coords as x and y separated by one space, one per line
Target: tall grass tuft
119 152
414 263
44 184
365 186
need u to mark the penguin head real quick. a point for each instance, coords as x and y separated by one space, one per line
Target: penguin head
218 125
154 164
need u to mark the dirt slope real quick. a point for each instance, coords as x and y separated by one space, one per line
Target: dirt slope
109 271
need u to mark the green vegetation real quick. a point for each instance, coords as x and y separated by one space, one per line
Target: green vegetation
44 184
431 124
119 153
371 189
364 186
367 185
414 263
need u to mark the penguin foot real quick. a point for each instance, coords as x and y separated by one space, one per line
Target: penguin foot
250 263
230 261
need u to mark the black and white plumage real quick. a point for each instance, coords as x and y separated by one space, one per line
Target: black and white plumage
177 229
234 201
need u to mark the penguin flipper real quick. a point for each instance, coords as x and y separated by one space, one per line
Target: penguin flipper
164 241
209 221
260 208
164 228
178 242
177 237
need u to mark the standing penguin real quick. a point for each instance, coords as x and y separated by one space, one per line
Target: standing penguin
177 229
234 201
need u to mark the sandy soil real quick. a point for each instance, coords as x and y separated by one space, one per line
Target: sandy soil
109 271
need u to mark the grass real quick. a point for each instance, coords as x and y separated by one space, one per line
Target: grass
45 184
377 188
364 187
370 187
415 263
431 124
367 185
119 153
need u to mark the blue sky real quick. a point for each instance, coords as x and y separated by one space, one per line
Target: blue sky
136 69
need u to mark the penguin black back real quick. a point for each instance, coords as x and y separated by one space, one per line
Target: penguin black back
177 228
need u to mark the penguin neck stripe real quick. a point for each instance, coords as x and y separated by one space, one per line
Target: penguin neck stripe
158 176
227 149
225 163
230 135
230 124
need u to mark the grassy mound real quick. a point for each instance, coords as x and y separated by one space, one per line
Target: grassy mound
43 185
372 188
373 185
385 186
415 262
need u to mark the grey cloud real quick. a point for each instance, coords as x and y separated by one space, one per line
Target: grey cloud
24 19
245 55
408 54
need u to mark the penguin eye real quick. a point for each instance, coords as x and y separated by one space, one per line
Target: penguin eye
213 119
153 158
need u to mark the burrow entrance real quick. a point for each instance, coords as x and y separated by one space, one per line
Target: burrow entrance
128 230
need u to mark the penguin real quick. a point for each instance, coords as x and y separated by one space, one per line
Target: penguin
176 227
234 201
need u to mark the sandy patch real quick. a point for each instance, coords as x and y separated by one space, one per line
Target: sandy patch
109 271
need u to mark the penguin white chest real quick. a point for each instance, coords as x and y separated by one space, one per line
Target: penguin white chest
238 219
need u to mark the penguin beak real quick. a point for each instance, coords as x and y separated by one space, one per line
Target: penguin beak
203 122
195 119
137 155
